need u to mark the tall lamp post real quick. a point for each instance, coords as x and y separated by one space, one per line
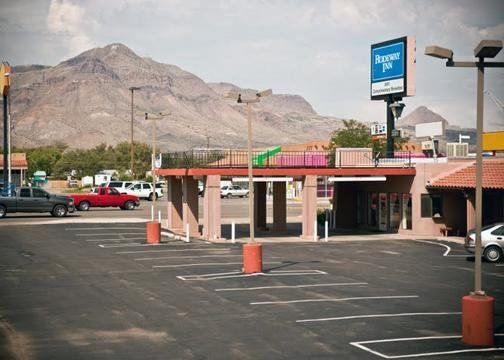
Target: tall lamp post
477 308
252 253
132 147
154 226
5 83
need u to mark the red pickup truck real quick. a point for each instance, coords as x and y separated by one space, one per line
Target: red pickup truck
104 197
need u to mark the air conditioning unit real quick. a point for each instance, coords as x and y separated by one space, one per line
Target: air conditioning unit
457 149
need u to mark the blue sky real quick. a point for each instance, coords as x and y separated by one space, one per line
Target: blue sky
317 49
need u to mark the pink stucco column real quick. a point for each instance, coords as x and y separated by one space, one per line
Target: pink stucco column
212 208
471 212
260 205
190 205
279 206
174 197
309 206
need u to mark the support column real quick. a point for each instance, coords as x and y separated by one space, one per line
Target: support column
309 206
212 208
260 205
174 197
279 206
470 212
190 205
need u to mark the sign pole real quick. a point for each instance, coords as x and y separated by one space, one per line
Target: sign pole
390 128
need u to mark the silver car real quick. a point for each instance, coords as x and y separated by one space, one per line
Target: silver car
492 242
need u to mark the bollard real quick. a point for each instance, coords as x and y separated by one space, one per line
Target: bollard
153 232
478 320
326 237
187 234
233 234
252 258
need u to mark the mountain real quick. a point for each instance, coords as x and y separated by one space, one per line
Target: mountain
422 114
85 101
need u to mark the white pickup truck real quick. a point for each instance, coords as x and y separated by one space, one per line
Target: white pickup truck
143 190
233 190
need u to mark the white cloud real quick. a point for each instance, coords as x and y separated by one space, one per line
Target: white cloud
68 19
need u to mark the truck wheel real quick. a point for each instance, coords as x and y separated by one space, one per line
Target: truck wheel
492 254
151 197
229 196
84 206
3 211
59 211
129 205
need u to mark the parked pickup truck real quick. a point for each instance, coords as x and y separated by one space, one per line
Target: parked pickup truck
105 197
34 199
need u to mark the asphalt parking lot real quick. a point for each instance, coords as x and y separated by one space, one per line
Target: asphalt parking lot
98 291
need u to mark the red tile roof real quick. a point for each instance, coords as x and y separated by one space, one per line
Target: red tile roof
463 178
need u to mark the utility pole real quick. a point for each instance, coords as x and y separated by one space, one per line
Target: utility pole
132 146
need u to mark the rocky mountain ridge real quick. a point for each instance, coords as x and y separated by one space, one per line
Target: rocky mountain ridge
85 101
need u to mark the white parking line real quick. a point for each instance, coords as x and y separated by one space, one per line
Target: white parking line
154 245
281 302
185 257
448 249
108 234
209 264
290 286
124 239
384 356
173 250
239 274
377 316
103 228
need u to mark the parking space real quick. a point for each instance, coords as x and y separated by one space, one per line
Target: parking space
352 300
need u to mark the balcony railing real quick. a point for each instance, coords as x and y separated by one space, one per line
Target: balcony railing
284 159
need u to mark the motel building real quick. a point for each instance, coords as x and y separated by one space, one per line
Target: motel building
405 194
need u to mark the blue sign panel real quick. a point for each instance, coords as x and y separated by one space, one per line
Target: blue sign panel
387 62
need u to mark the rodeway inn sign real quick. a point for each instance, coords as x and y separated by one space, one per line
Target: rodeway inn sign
393 68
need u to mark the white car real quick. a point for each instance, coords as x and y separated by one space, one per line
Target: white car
233 190
143 190
492 241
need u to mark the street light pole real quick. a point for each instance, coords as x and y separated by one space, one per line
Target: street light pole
250 174
477 308
252 252
132 146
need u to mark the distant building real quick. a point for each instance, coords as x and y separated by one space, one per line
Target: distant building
19 167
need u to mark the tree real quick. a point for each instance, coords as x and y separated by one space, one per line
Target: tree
354 135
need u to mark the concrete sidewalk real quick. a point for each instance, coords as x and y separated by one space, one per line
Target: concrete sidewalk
292 235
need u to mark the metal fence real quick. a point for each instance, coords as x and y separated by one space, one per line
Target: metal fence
284 159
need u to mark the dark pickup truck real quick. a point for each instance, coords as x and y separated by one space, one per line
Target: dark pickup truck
33 199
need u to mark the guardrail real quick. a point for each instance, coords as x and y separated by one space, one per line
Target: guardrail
230 158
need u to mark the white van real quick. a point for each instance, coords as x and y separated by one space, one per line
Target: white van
120 186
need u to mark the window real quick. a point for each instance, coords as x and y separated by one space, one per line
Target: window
39 193
137 186
113 191
25 192
127 184
431 205
115 184
498 231
146 186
